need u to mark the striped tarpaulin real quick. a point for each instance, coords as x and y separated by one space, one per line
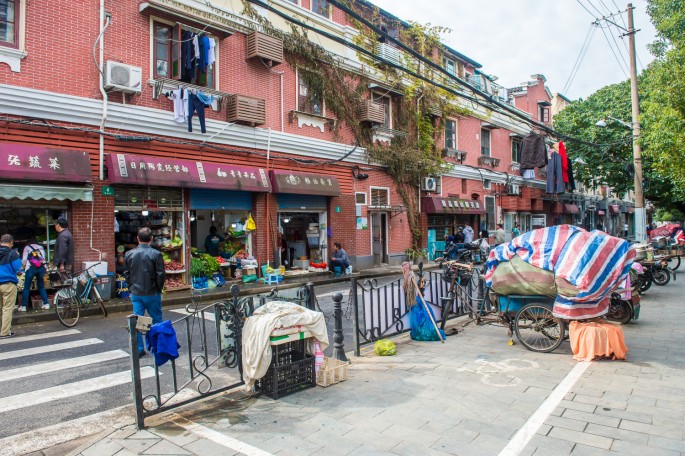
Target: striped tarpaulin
593 262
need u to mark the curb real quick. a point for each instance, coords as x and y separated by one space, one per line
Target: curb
120 305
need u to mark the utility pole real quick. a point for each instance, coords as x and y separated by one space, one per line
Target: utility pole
640 211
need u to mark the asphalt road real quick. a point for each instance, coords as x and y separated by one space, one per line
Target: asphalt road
50 374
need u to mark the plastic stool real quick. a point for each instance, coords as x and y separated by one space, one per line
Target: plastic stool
270 278
337 270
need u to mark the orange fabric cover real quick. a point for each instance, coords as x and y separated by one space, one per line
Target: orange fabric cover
598 338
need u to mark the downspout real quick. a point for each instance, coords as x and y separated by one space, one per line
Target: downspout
280 73
105 21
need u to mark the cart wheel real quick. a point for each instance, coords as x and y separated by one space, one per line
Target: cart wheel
538 329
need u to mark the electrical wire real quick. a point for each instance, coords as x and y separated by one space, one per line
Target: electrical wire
585 8
579 59
620 64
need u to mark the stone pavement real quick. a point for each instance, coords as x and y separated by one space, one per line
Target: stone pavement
469 396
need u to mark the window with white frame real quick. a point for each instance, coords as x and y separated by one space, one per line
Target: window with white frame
360 198
309 99
386 101
487 184
449 66
380 197
451 134
321 8
485 141
9 23
516 151
543 113
490 212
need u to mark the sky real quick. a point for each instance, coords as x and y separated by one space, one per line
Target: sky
514 39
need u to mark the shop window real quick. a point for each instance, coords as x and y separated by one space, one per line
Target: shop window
380 197
166 56
515 151
360 198
321 8
487 184
387 106
9 23
490 211
485 142
451 134
309 100
464 186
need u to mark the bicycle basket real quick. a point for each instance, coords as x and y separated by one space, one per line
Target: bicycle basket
83 278
55 277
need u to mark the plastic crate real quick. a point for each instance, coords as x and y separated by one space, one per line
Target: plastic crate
285 353
332 371
289 378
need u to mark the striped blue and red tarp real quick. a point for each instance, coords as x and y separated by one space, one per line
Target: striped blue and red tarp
593 262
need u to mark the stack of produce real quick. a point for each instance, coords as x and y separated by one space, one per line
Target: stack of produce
173 265
173 281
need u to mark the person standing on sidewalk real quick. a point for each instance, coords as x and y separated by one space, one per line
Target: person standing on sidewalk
499 234
33 260
64 247
10 265
145 276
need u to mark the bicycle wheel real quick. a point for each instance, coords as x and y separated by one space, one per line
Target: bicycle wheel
644 282
98 298
538 329
661 277
674 263
67 306
619 311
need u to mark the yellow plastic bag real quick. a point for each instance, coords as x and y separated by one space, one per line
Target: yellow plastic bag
250 225
385 347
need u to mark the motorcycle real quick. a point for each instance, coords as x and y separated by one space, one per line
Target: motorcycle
656 273
624 310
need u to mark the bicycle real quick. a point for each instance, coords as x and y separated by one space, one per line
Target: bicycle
69 299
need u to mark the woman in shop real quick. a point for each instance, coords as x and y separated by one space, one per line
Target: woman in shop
33 260
213 242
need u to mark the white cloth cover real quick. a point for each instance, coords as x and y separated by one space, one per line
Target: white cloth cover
257 333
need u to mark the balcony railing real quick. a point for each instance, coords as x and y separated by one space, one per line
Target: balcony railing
488 161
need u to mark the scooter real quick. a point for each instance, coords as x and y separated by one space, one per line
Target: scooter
624 310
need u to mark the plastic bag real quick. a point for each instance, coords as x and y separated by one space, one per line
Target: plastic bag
421 326
385 347
250 225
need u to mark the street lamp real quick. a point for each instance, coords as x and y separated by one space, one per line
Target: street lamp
640 212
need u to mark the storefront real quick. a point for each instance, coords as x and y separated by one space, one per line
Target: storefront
203 195
445 215
37 185
303 200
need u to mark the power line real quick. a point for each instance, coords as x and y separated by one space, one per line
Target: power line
585 8
601 14
581 55
620 64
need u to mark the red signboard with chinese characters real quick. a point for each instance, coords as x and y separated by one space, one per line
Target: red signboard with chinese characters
24 162
304 183
439 205
147 170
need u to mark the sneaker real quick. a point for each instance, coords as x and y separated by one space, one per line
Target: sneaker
142 353
8 335
45 306
22 309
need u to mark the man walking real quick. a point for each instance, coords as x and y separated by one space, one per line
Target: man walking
145 275
499 234
64 247
10 264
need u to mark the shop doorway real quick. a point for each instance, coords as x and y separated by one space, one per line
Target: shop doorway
302 239
230 225
379 237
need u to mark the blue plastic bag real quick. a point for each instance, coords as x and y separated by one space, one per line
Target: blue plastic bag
421 326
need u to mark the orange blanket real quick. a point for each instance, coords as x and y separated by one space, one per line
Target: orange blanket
597 339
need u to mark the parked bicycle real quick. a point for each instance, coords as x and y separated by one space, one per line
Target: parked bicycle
76 290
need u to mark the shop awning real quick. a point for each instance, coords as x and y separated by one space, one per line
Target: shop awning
41 163
169 172
571 209
614 209
304 183
46 192
600 212
439 205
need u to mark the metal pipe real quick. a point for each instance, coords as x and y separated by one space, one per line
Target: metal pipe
135 371
104 23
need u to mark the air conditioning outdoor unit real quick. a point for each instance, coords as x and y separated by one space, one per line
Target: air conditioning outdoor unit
389 53
123 78
430 184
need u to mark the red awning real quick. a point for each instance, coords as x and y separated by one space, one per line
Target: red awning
571 209
169 172
40 163
439 205
601 212
614 209
304 183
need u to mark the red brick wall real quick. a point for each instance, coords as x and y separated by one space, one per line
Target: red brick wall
101 224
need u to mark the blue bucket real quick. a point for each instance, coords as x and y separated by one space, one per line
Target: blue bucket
337 270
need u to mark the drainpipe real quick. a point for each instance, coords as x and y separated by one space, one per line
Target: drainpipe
105 21
268 213
280 73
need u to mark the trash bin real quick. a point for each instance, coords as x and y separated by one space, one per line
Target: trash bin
105 286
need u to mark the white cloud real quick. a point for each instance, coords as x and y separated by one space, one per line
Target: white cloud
515 39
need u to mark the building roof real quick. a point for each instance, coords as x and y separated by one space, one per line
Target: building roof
563 97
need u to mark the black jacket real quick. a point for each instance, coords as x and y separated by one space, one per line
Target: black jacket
533 151
144 271
64 249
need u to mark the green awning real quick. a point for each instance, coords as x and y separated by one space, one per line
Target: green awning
46 192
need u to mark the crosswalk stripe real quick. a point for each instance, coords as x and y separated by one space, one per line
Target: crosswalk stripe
208 315
48 348
43 368
55 393
14 340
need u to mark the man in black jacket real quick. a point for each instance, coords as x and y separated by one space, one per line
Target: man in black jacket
64 247
145 275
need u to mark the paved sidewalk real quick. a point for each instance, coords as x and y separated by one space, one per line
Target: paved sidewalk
473 395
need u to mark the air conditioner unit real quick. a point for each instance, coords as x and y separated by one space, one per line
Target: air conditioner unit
123 78
389 53
513 189
430 184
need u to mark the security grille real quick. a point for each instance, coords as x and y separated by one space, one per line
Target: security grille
141 198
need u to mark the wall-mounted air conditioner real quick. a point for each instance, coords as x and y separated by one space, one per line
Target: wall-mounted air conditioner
123 78
430 184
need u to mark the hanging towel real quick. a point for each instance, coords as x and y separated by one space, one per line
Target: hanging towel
196 47
180 99
161 341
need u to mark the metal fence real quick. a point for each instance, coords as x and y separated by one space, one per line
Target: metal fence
208 335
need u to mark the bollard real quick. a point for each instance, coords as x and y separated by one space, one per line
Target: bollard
135 371
338 344
355 316
311 297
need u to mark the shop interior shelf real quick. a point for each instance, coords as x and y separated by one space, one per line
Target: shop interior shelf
180 271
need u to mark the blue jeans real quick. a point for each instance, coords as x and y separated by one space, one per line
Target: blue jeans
32 272
153 306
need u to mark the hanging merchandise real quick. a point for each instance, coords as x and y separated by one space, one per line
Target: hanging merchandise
250 225
555 180
564 161
533 151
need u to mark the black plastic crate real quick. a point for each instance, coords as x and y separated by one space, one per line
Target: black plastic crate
285 379
288 352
